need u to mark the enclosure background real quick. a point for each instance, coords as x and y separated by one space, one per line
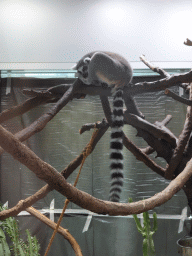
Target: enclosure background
60 142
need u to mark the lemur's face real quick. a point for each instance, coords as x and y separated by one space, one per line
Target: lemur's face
83 71
83 68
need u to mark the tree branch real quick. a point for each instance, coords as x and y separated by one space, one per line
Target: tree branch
138 88
22 108
42 121
157 132
142 157
158 70
23 204
47 173
178 98
106 108
89 126
182 142
64 232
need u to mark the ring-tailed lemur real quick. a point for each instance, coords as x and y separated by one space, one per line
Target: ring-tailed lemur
112 69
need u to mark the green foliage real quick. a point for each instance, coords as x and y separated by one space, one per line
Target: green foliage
4 248
18 246
147 232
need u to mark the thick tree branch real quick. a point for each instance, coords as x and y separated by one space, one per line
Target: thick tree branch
149 150
47 173
23 204
22 108
157 132
143 157
138 88
39 124
162 147
182 142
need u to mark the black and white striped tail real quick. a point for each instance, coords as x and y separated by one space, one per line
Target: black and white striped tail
116 147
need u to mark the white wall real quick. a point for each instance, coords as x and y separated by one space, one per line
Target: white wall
61 31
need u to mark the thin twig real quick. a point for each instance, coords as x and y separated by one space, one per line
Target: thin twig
158 70
89 126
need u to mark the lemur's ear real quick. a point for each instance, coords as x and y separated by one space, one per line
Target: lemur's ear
87 60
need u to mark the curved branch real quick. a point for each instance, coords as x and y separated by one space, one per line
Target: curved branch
178 98
47 173
64 232
23 204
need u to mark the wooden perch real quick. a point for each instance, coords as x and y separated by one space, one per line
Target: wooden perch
162 148
138 88
47 173
160 71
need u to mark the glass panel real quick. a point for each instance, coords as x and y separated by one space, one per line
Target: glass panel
69 73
